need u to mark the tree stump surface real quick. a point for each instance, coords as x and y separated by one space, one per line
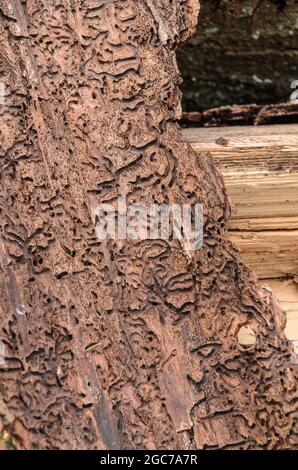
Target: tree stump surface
122 344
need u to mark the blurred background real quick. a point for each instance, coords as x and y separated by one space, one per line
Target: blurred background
244 51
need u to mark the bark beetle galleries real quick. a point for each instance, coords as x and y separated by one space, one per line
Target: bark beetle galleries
121 344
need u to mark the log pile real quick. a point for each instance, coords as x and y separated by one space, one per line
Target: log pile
260 168
240 115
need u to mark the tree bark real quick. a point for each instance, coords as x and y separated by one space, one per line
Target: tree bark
122 344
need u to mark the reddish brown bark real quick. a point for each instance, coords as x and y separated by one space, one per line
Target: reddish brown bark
252 114
121 344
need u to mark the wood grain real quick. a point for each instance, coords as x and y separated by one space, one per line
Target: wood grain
260 169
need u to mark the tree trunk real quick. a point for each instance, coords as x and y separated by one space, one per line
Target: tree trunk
121 343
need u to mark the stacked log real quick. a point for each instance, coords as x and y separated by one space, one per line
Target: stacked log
260 168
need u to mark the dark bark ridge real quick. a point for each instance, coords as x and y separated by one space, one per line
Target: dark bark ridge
121 344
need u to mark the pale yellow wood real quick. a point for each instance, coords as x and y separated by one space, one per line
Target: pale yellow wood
260 169
286 291
272 254
261 224
259 164
283 135
263 196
